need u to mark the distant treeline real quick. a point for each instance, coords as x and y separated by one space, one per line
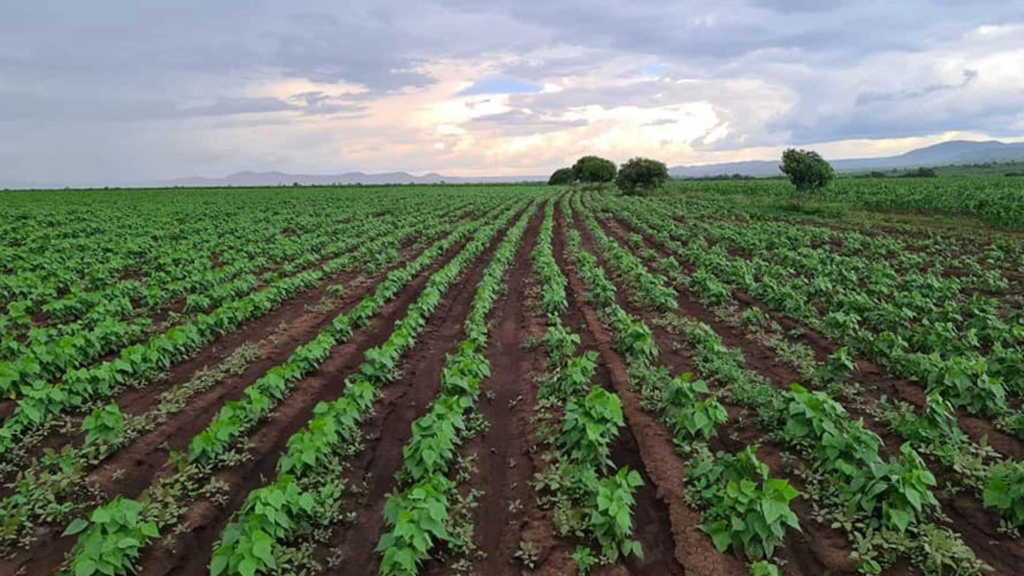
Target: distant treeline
988 169
720 177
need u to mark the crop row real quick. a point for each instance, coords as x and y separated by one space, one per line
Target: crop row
309 451
107 429
46 360
577 422
883 505
140 363
418 515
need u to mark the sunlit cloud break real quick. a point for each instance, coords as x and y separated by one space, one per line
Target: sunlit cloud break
132 92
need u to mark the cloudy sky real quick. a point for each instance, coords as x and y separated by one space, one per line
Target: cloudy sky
118 91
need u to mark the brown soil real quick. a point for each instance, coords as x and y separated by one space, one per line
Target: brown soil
977 525
387 432
693 550
145 461
509 453
503 453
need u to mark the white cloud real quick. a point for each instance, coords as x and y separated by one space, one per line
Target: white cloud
127 91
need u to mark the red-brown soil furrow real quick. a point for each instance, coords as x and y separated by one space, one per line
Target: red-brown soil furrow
268 442
427 357
877 382
292 315
504 466
390 427
978 526
554 553
651 521
824 550
275 350
693 550
536 527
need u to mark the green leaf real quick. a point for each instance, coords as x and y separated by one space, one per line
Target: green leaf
262 550
76 526
247 567
773 510
722 539
219 563
85 567
101 516
900 518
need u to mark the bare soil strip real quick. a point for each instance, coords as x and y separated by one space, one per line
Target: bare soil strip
388 430
505 468
978 526
810 552
204 520
663 468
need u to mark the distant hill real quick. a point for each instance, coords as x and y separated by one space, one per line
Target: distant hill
255 179
954 152
284 179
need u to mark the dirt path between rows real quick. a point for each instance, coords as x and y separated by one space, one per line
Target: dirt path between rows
387 432
693 550
977 526
504 466
203 520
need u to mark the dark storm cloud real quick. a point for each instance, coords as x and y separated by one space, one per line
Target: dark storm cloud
21 106
872 97
898 122
123 39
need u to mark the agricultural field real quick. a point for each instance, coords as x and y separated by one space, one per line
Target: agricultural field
514 379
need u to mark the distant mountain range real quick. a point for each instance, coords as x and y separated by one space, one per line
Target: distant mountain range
285 179
948 153
254 179
954 152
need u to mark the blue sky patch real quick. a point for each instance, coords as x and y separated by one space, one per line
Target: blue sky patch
500 85
652 69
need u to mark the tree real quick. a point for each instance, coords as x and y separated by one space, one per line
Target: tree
641 175
921 173
561 177
593 170
807 170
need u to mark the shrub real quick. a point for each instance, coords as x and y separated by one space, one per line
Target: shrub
641 175
561 177
593 170
806 169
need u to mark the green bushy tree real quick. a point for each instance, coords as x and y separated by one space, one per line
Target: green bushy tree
561 177
806 169
641 175
593 170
